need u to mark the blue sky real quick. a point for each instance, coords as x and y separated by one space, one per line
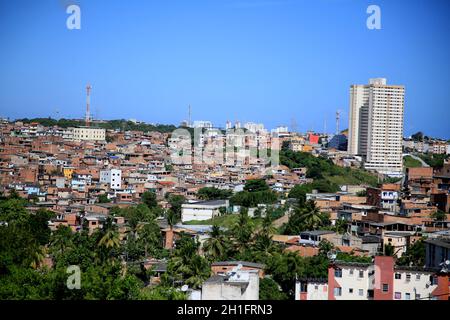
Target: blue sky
267 61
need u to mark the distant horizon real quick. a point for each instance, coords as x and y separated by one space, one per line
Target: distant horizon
215 126
272 62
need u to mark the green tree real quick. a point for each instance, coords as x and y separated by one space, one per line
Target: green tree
103 198
269 289
414 255
61 240
216 247
242 231
340 226
162 293
256 185
186 265
308 217
211 193
175 202
388 250
149 198
439 215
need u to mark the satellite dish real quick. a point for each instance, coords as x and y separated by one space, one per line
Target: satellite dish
185 288
239 266
447 262
331 255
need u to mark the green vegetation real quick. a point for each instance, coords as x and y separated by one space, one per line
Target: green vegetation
103 198
110 258
306 217
270 290
410 162
439 215
186 265
26 241
149 198
433 160
322 169
418 136
211 193
255 192
109 124
299 191
414 255
175 202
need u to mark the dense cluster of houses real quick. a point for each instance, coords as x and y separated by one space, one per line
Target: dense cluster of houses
70 173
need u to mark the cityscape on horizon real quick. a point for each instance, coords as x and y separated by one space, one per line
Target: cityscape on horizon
242 151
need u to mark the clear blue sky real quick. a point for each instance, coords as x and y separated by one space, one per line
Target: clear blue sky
254 60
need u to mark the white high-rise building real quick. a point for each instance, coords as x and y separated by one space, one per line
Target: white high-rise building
203 124
376 125
254 127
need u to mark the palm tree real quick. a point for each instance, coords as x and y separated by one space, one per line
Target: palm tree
242 231
186 265
340 226
38 256
311 216
110 239
216 245
61 239
172 218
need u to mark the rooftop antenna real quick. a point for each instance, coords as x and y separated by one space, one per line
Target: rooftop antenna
189 116
88 104
294 126
338 117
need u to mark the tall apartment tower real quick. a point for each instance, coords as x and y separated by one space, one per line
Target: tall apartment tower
376 125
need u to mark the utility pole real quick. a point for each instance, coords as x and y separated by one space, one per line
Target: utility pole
88 104
189 116
338 117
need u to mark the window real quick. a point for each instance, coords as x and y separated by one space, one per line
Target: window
408 296
351 271
350 290
316 287
337 292
338 273
433 280
385 287
417 277
361 292
398 276
361 273
398 295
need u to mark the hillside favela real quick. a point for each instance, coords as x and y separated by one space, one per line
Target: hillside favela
224 150
200 211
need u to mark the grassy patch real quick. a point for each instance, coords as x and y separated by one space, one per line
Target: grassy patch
410 162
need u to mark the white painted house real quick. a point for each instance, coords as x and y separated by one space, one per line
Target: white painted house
202 210
113 177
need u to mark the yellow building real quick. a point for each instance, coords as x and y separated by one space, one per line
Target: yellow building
68 172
